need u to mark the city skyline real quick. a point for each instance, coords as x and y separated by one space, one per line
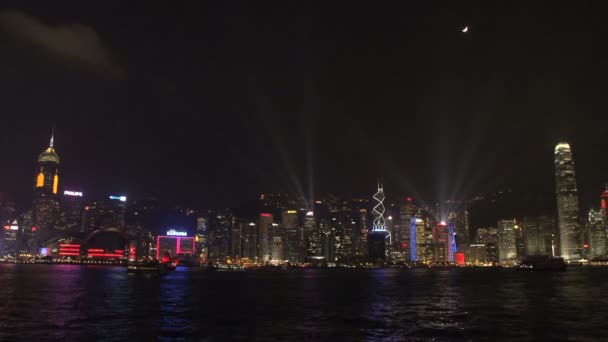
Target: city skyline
229 106
303 170
408 229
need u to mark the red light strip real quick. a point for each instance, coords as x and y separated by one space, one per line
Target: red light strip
68 245
96 250
157 247
105 255
70 254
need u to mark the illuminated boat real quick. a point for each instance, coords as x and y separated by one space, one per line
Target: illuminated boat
151 267
542 263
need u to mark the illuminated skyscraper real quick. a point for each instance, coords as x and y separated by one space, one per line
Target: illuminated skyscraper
45 205
567 203
596 225
264 229
441 242
379 237
507 250
293 233
540 235
312 235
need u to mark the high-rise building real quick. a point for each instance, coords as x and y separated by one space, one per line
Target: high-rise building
108 213
314 249
507 249
264 228
220 230
10 229
596 225
71 203
441 242
294 240
249 233
277 240
378 234
236 240
45 206
540 235
202 237
570 234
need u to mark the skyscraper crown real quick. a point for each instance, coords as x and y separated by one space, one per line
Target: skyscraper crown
49 155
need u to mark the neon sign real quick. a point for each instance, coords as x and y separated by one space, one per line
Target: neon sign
173 232
72 193
120 198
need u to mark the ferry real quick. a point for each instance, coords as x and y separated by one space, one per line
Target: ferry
161 267
151 267
542 263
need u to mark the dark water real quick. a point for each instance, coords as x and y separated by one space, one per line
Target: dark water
96 303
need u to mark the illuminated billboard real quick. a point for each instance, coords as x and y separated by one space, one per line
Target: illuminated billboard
72 193
173 232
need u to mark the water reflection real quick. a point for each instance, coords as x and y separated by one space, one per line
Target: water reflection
79 303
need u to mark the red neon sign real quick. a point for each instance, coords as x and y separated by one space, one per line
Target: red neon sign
178 242
409 199
265 214
460 258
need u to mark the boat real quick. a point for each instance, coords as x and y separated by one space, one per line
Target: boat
150 267
542 263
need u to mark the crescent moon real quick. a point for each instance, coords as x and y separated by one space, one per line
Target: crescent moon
465 29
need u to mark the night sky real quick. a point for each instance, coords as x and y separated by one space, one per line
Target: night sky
211 103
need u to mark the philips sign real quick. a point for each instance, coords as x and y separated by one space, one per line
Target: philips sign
119 198
173 232
72 193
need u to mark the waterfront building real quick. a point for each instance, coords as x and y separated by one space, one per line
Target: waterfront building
45 204
265 221
249 233
441 242
597 228
507 249
540 235
570 234
71 204
294 240
202 237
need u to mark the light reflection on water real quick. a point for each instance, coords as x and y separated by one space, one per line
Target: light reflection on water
97 303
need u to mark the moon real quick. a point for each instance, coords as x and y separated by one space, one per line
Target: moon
465 29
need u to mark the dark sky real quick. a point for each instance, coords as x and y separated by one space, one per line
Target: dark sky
210 103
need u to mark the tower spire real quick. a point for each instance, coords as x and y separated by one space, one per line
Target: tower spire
52 137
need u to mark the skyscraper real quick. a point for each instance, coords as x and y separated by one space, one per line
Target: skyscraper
567 203
294 241
540 235
264 227
45 204
507 250
596 226
441 242
378 234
